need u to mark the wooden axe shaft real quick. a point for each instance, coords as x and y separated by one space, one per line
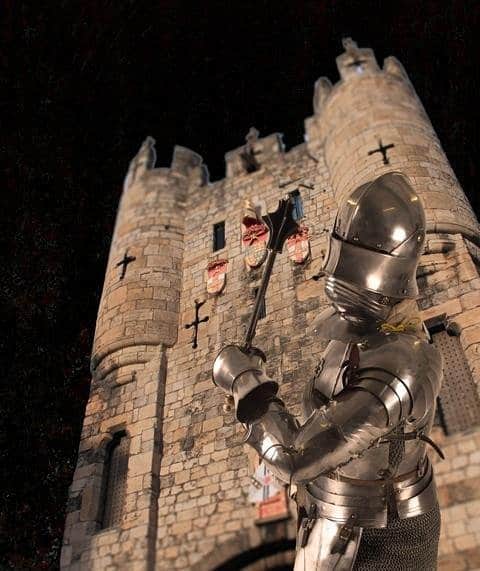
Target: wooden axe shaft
281 225
272 254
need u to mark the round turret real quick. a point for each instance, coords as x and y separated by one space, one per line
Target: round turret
140 301
372 122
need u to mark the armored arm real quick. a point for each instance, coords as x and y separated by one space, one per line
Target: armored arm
271 429
293 453
398 381
331 437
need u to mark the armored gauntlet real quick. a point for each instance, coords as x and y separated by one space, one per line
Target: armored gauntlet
241 375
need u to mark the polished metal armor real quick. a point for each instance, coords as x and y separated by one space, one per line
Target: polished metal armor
377 238
359 453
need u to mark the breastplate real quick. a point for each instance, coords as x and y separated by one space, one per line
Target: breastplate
365 485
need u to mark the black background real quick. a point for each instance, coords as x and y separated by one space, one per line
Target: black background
82 84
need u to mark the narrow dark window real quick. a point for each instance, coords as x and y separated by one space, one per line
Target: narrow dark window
458 405
218 236
115 482
438 419
263 308
297 205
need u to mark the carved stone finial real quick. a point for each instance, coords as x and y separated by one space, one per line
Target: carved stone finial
349 45
355 62
252 136
146 154
144 160
323 88
249 210
392 66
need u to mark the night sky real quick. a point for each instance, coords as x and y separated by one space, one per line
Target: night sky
82 84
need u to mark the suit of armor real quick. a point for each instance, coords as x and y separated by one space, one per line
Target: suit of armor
357 464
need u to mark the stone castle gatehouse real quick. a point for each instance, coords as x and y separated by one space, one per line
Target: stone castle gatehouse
163 476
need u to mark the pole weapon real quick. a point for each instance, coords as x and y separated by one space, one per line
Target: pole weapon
281 225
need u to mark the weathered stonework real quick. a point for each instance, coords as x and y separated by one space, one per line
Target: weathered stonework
186 501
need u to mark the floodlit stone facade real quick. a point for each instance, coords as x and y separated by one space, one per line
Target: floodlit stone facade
184 498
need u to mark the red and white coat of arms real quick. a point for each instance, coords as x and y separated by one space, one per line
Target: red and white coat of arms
254 238
298 246
216 276
269 496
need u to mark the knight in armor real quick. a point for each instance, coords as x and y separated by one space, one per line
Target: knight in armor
357 461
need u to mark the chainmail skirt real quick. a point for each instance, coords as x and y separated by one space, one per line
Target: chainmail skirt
405 545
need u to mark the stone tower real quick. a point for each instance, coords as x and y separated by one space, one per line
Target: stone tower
163 476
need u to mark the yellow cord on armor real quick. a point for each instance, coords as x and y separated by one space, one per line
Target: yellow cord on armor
401 327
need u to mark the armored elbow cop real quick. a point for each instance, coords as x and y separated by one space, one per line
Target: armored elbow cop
242 376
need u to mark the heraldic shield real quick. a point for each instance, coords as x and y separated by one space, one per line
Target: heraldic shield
254 237
216 276
298 246
268 495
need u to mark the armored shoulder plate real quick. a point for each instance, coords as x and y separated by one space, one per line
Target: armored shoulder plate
329 324
404 372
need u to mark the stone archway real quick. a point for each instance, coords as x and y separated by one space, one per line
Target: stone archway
270 548
275 556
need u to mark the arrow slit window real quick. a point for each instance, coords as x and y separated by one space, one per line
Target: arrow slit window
218 236
297 205
115 480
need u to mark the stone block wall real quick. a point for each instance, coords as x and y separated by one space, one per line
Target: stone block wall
458 481
205 473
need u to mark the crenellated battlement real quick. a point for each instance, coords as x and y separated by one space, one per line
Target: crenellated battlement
372 122
256 152
354 64
185 163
